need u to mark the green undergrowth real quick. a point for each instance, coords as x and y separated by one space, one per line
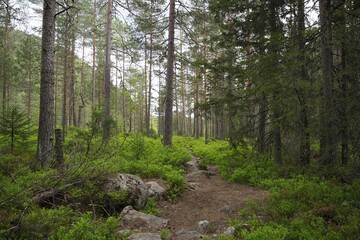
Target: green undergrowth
77 206
303 203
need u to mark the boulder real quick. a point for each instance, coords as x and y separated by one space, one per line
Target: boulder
133 219
145 236
155 190
133 185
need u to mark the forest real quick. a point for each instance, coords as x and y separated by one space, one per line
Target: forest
266 92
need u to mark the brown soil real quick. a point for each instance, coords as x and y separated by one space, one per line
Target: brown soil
213 199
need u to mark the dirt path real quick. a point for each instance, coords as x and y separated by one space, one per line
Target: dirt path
212 199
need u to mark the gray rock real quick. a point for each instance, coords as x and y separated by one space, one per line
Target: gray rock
133 185
226 209
192 166
145 236
192 186
230 231
204 226
188 235
194 176
155 190
133 219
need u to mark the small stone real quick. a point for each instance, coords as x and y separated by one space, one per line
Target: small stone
192 185
226 209
155 190
203 226
229 231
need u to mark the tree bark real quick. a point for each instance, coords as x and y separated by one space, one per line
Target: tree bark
5 67
169 78
205 77
148 113
183 91
72 99
344 92
147 124
196 100
273 48
106 107
327 138
123 92
304 122
57 88
45 150
176 103
65 80
93 76
81 118
263 104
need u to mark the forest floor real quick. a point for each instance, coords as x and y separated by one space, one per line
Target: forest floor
209 198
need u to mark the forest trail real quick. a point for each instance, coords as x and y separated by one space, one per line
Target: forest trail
208 198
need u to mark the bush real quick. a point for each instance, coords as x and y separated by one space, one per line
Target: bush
87 227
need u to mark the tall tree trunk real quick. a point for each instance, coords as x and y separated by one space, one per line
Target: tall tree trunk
344 92
183 91
196 100
205 77
169 77
116 85
148 110
82 106
93 75
5 67
147 124
327 138
107 80
273 48
176 103
123 92
160 108
72 99
304 122
57 91
45 149
65 80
